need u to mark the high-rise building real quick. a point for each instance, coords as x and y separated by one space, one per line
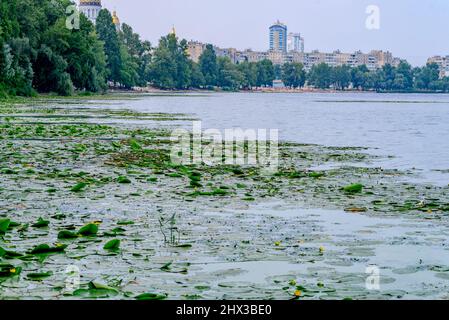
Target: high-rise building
90 8
295 42
443 64
278 37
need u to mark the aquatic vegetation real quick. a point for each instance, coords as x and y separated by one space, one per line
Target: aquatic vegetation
79 189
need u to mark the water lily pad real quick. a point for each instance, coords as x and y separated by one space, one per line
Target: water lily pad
41 223
79 187
151 296
90 229
112 245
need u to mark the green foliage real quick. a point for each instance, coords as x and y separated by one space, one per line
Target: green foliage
107 33
320 76
38 53
112 245
265 73
402 78
209 66
4 225
353 188
170 67
229 77
293 75
249 73
90 229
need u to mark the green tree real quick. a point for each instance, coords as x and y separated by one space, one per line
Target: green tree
293 75
341 77
249 72
359 77
208 65
196 76
138 51
171 67
265 73
107 33
403 79
426 77
320 76
229 76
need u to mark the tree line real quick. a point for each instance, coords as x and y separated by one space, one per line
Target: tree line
39 53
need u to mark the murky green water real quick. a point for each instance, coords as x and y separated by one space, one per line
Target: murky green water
198 232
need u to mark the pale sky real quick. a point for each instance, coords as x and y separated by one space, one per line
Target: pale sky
411 29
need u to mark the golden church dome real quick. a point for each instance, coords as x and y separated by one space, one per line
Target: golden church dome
90 3
115 19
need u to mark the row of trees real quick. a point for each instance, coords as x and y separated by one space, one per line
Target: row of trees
388 78
38 52
171 68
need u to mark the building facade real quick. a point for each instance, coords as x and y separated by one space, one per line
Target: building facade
195 49
90 8
443 64
295 42
290 48
278 37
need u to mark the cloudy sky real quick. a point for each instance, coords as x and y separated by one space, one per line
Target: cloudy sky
412 29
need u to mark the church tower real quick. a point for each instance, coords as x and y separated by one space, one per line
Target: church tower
90 8
116 20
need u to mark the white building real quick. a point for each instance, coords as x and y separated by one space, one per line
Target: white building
90 8
443 64
295 42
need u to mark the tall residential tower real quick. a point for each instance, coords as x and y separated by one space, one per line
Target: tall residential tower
278 37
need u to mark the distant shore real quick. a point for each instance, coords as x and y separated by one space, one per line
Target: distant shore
151 90
268 90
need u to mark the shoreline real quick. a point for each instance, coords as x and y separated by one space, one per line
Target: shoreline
121 93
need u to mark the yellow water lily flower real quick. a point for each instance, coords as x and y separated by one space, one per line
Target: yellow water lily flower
322 249
298 293
13 270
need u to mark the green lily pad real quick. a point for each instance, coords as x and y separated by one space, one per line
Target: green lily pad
151 296
112 245
8 270
41 223
4 225
123 180
79 187
36 276
90 229
66 234
353 188
45 248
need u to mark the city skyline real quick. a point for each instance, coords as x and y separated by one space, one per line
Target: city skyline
409 28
